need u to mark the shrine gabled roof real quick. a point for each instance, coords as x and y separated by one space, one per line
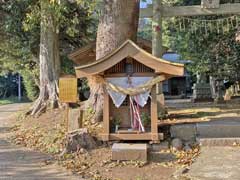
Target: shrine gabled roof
87 54
130 49
84 55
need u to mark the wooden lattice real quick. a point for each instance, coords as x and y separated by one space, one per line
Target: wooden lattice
68 90
121 68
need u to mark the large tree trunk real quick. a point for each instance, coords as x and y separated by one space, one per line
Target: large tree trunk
49 61
118 22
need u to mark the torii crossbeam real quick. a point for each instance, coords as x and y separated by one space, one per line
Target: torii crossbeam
173 11
157 11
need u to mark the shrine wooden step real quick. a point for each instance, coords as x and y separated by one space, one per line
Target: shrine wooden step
129 152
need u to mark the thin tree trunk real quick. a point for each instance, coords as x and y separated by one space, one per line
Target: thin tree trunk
118 22
49 61
213 86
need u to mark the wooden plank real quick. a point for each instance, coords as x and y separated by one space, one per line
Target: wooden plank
74 119
168 11
67 120
181 121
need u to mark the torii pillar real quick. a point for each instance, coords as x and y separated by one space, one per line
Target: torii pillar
157 46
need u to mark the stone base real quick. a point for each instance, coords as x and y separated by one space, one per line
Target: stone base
186 132
78 139
235 97
201 100
164 145
128 152
202 92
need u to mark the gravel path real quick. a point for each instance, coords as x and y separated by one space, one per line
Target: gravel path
19 163
216 163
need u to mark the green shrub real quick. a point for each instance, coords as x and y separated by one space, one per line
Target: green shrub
31 88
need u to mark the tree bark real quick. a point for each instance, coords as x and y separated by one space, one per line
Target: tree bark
49 61
118 22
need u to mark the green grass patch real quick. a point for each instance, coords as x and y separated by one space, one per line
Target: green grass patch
11 100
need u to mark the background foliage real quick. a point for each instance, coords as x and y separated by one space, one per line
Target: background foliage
212 53
20 33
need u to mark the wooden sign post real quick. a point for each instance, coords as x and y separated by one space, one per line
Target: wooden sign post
68 93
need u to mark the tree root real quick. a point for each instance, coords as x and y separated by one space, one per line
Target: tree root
41 105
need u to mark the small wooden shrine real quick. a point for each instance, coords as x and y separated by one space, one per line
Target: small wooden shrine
130 75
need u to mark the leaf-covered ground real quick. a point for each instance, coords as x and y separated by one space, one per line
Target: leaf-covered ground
184 111
47 134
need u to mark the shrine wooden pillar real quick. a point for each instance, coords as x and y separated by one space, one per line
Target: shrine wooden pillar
154 117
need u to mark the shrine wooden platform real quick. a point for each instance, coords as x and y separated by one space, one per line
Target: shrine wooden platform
140 136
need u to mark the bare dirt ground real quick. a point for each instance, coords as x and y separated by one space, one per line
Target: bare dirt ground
22 163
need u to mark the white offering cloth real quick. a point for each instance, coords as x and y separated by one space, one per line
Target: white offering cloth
123 82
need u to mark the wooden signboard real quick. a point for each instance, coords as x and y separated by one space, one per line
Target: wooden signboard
68 89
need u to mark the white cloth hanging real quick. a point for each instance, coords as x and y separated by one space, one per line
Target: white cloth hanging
118 98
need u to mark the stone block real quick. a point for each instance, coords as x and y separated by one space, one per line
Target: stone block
202 93
177 144
185 132
128 152
164 145
78 139
161 157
